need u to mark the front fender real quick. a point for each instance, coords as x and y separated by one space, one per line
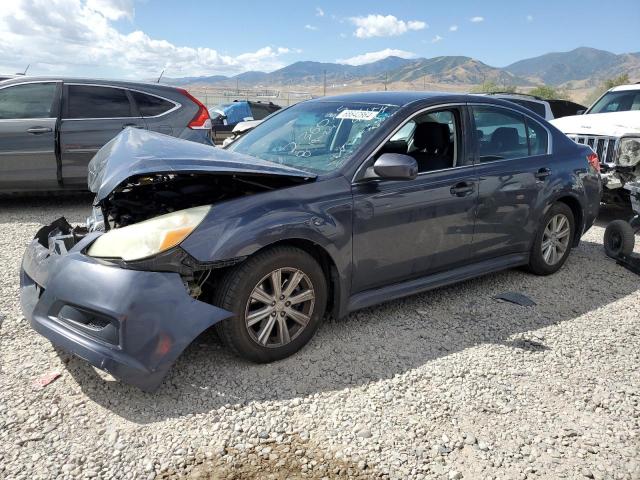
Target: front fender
319 212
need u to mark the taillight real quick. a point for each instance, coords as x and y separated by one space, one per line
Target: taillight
202 120
594 161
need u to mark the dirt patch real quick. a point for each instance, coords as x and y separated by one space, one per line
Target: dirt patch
290 460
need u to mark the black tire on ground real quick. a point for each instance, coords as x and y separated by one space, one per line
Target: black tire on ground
234 291
537 264
619 239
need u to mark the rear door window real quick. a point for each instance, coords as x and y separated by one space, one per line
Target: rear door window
504 134
29 100
501 134
150 105
88 101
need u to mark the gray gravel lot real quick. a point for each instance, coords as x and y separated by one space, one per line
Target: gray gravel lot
448 384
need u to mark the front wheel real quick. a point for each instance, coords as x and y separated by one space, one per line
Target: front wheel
553 241
278 298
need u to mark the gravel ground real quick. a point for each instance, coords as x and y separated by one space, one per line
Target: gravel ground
448 384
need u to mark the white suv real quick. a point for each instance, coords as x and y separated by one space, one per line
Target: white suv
611 127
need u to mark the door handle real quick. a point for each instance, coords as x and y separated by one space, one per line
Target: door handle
39 130
132 125
462 189
542 173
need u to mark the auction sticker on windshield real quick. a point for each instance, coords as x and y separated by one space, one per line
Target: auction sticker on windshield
357 114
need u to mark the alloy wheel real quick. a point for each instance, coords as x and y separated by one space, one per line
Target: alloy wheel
280 307
555 239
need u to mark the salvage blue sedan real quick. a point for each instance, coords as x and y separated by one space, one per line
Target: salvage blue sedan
330 206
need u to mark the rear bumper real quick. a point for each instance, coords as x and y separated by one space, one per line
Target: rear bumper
132 324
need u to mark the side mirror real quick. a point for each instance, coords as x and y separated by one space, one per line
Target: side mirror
396 166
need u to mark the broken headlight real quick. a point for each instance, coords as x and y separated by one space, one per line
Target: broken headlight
144 239
629 151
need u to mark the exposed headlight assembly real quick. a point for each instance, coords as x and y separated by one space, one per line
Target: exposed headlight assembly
629 151
144 239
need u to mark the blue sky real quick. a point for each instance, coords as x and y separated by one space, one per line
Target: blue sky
133 38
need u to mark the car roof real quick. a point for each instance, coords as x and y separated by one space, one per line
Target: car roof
93 81
401 99
621 88
397 99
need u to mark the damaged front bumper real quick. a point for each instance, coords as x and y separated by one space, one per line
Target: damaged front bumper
132 324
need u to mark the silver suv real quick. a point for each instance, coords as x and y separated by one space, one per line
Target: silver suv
51 127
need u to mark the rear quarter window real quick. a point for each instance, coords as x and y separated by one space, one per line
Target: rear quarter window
150 105
538 138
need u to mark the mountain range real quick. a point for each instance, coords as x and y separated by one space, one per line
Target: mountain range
584 64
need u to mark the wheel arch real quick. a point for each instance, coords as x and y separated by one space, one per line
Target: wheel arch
578 215
326 262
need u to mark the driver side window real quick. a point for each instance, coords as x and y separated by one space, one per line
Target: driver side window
28 100
432 139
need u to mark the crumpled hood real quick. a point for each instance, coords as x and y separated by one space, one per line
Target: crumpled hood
614 124
137 152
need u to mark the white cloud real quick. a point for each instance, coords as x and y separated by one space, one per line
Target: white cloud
79 36
384 26
311 27
437 39
113 9
453 28
319 12
529 18
375 56
476 19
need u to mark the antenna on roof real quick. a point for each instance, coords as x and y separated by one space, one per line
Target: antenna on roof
161 73
25 71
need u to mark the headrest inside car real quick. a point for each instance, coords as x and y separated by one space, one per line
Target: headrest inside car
505 137
431 136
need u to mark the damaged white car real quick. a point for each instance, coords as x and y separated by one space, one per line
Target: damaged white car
611 127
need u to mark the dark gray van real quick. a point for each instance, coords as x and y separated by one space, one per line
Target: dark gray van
50 128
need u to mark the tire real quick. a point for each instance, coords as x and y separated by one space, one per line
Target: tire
540 262
619 239
238 293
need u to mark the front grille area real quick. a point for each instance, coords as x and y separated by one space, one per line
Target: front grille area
605 147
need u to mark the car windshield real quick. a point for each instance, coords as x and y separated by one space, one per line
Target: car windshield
314 136
621 101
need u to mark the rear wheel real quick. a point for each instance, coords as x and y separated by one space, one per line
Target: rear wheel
278 299
553 241
619 239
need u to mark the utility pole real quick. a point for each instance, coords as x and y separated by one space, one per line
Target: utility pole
424 83
324 85
386 78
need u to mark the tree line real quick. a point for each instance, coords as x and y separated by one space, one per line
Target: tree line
550 92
